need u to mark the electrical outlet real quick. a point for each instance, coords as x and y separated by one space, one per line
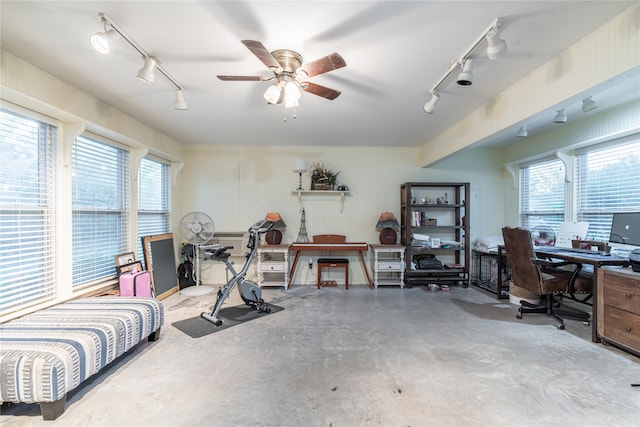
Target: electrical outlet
310 263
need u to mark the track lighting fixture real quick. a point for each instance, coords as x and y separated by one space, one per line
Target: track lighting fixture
180 103
522 132
561 116
588 104
496 47
146 73
465 78
101 42
431 104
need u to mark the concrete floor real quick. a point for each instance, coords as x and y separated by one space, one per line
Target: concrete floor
361 357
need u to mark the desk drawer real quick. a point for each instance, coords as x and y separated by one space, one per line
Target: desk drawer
272 266
620 292
622 327
390 266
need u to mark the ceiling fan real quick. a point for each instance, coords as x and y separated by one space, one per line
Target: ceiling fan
290 74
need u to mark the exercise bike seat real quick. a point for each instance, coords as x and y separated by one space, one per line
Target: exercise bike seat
219 254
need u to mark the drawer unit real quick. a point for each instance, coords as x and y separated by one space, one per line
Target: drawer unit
619 318
387 265
273 265
390 266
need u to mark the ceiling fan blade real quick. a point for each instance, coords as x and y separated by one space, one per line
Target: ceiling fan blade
325 64
244 78
263 54
322 91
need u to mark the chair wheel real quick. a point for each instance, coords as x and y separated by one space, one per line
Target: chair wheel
519 316
586 323
561 327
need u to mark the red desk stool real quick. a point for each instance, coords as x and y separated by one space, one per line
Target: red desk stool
334 262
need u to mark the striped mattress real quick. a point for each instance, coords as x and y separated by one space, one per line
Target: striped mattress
48 353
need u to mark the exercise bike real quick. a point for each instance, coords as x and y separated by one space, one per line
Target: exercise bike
249 291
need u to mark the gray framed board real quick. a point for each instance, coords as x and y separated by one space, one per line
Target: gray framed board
160 261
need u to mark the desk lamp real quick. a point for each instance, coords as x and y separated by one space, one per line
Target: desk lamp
274 236
300 166
387 226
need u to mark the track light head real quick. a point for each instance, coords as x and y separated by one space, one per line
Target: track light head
101 41
588 104
180 103
146 73
430 106
561 116
497 46
522 132
465 78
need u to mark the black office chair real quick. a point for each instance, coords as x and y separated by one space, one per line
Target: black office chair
544 278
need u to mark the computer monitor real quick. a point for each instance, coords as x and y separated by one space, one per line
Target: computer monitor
625 228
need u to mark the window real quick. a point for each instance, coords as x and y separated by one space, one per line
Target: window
27 212
608 181
100 200
154 199
542 194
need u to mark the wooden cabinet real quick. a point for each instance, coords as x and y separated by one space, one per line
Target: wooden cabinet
435 222
273 265
387 265
619 305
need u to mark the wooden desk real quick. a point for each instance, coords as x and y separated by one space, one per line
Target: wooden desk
619 308
330 247
596 261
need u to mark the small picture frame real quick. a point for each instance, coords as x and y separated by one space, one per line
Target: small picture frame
125 258
132 267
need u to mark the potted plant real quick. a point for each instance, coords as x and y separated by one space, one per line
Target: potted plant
322 178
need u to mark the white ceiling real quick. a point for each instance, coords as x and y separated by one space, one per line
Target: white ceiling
395 52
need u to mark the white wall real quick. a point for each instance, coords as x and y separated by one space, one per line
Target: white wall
237 186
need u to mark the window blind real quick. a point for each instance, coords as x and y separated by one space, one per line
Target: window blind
542 194
100 200
27 212
608 181
154 199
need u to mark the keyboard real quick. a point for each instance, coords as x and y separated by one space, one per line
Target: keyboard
585 251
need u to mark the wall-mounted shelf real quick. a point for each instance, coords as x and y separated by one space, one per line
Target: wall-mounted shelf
301 193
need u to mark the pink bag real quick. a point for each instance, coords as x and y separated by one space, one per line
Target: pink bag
136 284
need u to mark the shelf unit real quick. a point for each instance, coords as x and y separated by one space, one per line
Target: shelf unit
301 193
273 265
439 210
491 272
387 264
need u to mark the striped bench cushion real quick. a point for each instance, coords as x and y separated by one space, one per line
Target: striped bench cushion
48 353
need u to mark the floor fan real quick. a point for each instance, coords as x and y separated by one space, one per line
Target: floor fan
197 228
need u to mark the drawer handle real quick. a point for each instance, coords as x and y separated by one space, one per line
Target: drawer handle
628 296
628 328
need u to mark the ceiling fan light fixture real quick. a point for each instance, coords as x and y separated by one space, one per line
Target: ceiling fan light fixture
588 104
522 132
146 73
291 95
465 78
430 106
272 94
561 116
180 103
497 46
